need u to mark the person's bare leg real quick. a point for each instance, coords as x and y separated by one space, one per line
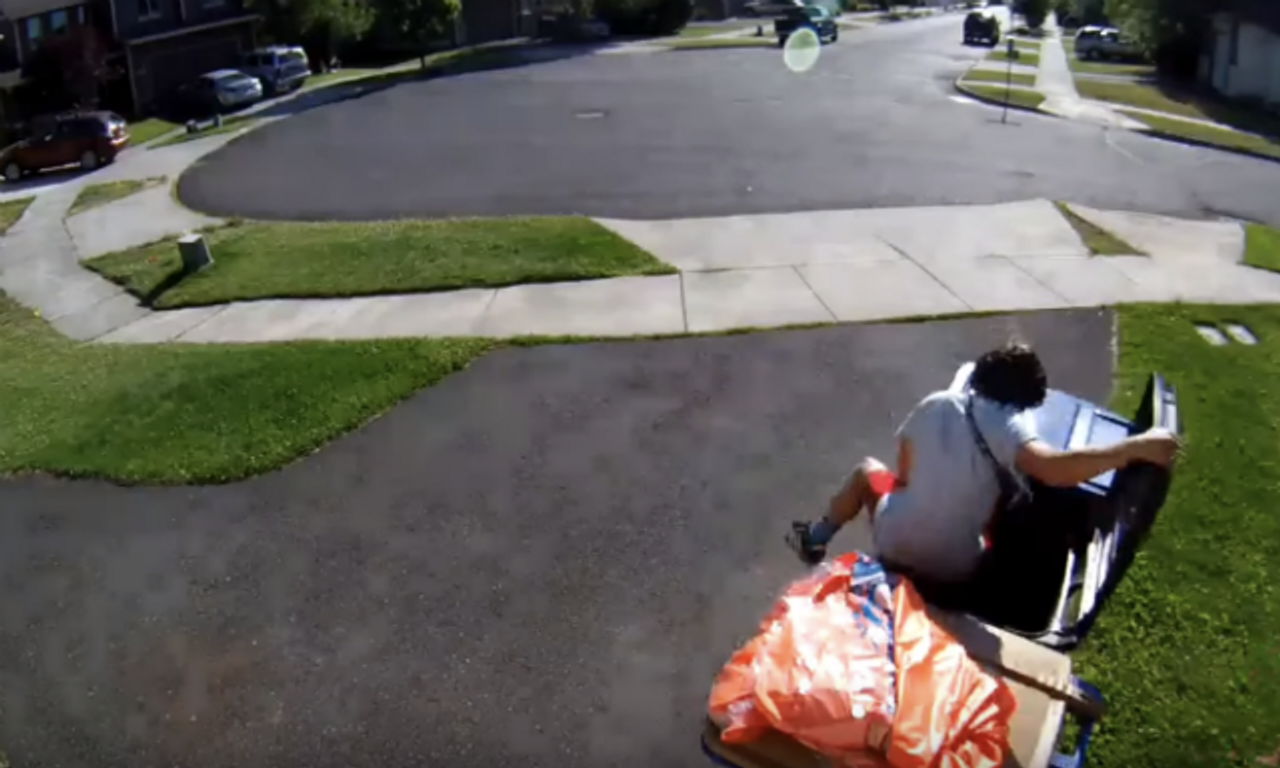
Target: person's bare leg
856 495
810 540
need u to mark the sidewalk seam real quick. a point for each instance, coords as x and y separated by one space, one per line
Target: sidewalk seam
927 271
795 268
212 315
684 307
1036 280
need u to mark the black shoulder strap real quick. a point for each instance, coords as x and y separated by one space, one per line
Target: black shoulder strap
1009 481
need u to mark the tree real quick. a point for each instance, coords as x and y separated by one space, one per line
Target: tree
1170 31
68 70
322 23
423 22
1035 12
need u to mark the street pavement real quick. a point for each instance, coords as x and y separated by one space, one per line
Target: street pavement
709 133
542 561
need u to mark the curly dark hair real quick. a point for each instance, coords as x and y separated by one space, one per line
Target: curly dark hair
1011 375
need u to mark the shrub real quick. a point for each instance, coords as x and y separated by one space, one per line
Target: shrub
644 17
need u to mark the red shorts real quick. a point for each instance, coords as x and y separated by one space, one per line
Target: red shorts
883 482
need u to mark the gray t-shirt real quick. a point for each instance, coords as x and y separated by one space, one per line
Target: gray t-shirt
934 525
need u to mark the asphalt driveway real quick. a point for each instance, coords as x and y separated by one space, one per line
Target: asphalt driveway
683 134
540 562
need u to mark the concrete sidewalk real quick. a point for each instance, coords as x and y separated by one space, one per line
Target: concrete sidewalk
778 270
735 272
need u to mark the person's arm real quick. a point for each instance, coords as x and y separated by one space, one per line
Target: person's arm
1064 469
1067 468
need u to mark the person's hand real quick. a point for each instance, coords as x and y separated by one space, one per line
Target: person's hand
1155 446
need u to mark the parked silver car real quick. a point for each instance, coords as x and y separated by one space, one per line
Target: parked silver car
1105 43
280 68
222 90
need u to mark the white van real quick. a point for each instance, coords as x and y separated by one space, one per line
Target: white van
281 68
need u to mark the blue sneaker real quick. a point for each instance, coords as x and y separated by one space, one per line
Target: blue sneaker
799 541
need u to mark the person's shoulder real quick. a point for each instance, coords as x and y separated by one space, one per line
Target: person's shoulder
943 399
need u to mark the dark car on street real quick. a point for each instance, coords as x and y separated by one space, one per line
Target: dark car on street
814 17
981 27
87 139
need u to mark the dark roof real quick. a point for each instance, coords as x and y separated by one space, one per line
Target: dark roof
1264 13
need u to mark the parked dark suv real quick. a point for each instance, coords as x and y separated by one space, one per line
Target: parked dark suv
981 27
89 139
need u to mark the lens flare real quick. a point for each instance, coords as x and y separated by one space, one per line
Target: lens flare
801 51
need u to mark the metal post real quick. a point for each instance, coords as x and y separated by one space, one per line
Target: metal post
1008 79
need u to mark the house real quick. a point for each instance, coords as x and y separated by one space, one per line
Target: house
24 25
168 42
1242 55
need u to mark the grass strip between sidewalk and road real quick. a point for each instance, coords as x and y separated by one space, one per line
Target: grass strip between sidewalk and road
145 130
229 124
94 195
11 210
1187 651
1099 241
261 260
700 43
1198 133
1182 104
995 94
993 76
194 413
701 31
1262 247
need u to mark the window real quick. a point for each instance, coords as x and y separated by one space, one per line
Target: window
34 31
58 22
148 9
80 15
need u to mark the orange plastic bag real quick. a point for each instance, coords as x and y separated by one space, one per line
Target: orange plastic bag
819 672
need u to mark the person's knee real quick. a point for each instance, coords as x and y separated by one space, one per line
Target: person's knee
865 469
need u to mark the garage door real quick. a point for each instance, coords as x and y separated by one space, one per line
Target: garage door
166 71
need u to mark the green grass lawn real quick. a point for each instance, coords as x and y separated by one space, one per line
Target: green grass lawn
1262 247
994 93
991 76
695 33
146 130
12 210
722 42
1208 134
1188 650
194 413
229 124
1145 96
1099 241
1109 68
260 260
1026 59
94 195
322 79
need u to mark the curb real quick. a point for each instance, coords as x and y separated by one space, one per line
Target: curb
1190 142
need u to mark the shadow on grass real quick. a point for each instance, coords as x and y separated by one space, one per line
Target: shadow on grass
1241 115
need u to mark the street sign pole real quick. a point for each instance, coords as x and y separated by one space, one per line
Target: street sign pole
1008 78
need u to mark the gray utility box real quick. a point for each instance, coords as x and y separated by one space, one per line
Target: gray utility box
1056 559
